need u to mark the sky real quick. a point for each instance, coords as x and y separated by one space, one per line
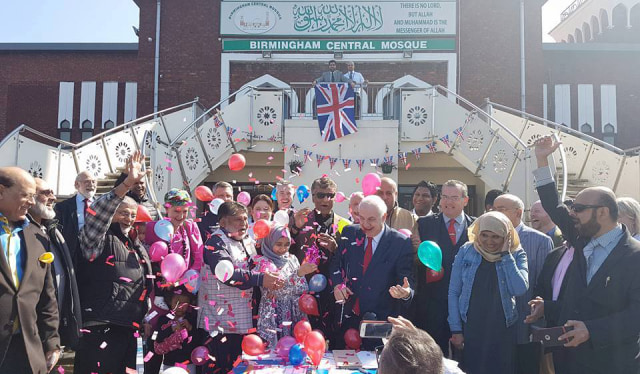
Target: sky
110 21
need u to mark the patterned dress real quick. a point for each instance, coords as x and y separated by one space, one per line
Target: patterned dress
279 310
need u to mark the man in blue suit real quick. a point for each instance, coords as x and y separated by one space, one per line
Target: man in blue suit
371 271
449 229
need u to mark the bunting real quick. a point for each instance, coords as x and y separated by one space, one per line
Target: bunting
402 156
217 121
231 131
346 162
319 159
307 155
332 161
432 147
360 164
416 153
458 133
446 141
374 161
295 147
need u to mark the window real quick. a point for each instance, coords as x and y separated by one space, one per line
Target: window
130 101
109 125
65 105
64 131
608 134
608 107
109 103
87 129
563 104
585 106
586 128
88 104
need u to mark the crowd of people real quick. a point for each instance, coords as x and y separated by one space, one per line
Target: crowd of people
91 275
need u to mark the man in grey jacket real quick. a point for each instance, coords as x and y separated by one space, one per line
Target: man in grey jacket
332 76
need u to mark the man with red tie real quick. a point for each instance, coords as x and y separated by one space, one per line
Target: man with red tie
449 230
371 271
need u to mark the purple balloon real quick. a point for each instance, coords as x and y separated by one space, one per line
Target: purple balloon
172 267
284 346
200 355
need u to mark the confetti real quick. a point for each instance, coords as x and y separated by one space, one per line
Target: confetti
128 280
60 370
103 345
148 356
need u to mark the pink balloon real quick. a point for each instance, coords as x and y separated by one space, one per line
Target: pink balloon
284 346
405 232
172 267
200 355
340 197
244 198
370 184
158 251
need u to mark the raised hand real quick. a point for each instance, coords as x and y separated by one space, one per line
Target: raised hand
134 168
544 147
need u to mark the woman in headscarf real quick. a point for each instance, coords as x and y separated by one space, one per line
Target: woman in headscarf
186 240
489 271
280 306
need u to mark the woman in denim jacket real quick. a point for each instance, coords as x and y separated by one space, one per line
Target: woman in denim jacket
488 273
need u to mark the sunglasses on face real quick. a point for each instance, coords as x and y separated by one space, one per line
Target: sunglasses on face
577 208
322 195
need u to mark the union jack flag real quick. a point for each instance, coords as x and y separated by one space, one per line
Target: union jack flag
458 133
360 164
346 163
231 131
217 121
388 159
336 112
416 153
402 156
374 161
307 155
319 159
446 141
332 161
432 147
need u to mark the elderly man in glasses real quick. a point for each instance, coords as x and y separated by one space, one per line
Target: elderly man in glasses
599 295
315 232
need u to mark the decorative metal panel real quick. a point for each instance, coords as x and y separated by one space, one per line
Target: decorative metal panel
416 115
629 183
120 146
267 118
602 167
92 158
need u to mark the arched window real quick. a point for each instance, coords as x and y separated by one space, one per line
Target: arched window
604 19
578 36
64 131
571 39
586 31
619 16
109 124
595 27
608 134
586 128
87 129
634 19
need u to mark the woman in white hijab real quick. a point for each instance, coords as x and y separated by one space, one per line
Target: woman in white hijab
488 273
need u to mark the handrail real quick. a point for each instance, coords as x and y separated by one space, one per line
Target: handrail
194 122
24 127
560 127
505 128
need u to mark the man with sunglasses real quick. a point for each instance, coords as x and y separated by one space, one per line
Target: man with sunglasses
600 298
315 232
43 216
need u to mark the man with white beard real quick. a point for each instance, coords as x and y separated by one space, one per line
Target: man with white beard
72 212
42 215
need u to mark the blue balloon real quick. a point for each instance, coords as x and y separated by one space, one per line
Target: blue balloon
164 230
273 194
302 192
297 355
317 283
191 281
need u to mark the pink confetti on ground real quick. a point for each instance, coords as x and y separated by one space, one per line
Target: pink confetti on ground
103 345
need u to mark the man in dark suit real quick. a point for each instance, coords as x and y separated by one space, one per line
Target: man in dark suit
29 341
332 76
449 229
209 221
601 297
71 212
43 216
371 272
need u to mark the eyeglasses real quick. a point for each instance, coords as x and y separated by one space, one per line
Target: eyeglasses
323 195
452 198
577 208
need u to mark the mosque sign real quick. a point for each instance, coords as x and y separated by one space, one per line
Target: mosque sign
439 44
338 18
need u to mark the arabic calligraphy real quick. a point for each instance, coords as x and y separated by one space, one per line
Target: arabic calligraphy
329 18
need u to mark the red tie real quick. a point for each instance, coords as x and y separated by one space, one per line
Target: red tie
368 253
452 231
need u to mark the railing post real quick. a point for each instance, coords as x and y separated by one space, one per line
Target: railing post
584 164
486 153
619 174
15 160
164 127
106 153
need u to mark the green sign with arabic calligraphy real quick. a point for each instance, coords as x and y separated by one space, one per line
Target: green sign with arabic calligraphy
338 18
445 44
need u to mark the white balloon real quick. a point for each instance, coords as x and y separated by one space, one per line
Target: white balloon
214 205
224 270
175 370
281 217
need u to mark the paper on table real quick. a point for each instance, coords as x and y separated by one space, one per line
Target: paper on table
368 359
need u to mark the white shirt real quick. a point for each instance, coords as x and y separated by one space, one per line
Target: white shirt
80 209
356 77
416 214
459 225
375 241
